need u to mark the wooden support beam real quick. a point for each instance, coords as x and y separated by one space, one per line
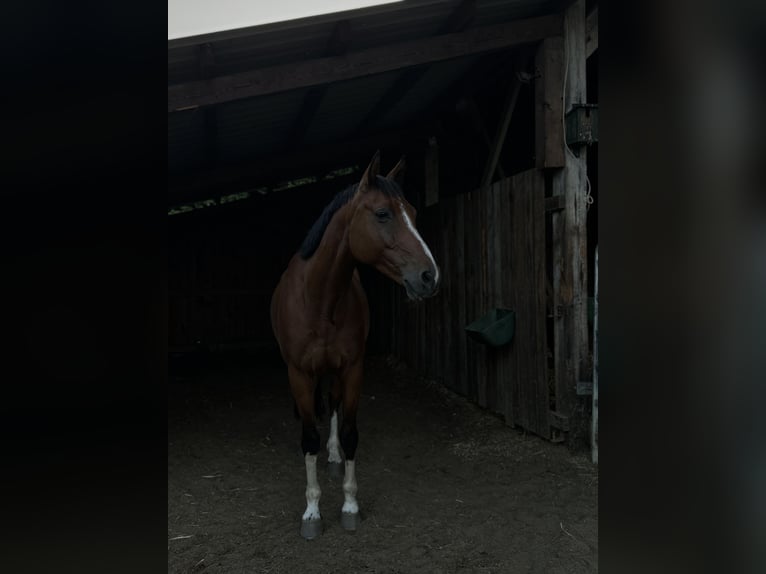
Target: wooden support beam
502 131
336 46
591 32
570 294
549 107
363 63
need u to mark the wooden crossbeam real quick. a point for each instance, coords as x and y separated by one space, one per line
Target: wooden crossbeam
363 63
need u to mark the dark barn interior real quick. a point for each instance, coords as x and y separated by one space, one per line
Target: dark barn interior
494 106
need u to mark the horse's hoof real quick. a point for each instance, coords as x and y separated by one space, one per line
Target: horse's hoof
349 521
335 469
310 529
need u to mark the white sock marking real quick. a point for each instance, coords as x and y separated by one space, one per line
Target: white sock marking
420 239
313 492
349 489
333 443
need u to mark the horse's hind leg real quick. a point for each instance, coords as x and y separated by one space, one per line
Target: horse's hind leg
334 460
349 438
302 388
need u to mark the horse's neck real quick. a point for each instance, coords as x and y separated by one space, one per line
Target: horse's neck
330 270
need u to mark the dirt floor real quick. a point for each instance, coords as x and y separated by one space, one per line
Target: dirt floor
443 485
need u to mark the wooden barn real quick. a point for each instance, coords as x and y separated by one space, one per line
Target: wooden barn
494 105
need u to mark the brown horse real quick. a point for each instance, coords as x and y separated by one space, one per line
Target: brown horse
320 316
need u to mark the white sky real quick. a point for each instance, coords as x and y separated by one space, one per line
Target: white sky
194 17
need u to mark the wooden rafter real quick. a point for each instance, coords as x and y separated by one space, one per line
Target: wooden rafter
363 63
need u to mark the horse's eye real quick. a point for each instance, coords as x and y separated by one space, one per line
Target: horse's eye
383 214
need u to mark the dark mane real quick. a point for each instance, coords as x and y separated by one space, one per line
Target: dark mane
315 234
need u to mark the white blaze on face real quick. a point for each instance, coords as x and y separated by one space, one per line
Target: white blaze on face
414 231
349 489
333 442
313 492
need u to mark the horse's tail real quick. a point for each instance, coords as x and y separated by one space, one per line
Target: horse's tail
319 406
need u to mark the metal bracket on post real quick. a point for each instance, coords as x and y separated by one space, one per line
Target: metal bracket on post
582 124
584 388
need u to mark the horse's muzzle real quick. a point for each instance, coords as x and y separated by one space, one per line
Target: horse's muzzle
422 284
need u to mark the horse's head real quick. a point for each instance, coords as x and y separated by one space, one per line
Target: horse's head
382 233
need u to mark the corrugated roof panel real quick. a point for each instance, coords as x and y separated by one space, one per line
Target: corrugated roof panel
437 78
186 142
345 105
247 128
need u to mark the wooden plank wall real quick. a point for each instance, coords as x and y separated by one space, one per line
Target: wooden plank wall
490 246
223 267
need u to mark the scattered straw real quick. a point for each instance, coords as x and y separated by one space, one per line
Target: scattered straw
564 530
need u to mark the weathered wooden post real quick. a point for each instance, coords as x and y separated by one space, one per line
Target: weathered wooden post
560 87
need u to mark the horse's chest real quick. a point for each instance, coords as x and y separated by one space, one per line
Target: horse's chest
329 348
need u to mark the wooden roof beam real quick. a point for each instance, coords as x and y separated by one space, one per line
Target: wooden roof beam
377 60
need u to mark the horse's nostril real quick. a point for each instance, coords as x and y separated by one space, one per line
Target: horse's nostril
427 277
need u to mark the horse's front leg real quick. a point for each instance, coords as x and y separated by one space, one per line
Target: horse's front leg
349 438
302 388
334 460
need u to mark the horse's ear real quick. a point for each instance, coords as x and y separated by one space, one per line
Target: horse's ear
372 171
397 173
